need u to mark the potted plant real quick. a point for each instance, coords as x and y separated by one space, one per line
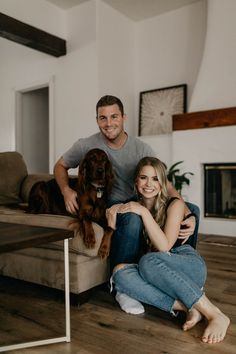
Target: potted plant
178 180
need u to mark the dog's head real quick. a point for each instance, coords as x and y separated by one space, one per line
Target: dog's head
95 168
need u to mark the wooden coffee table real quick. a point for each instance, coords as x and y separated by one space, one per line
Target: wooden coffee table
17 236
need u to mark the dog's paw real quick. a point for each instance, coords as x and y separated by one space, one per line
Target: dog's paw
103 251
89 240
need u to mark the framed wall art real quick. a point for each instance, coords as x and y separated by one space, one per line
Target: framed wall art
156 108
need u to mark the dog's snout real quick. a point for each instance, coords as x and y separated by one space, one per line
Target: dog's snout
100 170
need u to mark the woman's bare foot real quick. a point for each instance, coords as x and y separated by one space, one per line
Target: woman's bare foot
193 317
218 323
216 329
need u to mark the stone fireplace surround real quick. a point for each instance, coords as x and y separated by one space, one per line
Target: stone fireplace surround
200 138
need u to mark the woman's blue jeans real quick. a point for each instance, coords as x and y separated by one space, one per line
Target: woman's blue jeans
160 278
127 239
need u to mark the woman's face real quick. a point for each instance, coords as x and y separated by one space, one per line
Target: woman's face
147 182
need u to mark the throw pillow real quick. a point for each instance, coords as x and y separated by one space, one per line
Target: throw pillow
12 172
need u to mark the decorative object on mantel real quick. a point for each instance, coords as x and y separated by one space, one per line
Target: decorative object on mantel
178 180
205 119
156 108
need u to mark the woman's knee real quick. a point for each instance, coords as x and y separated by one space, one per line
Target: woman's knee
151 261
123 274
131 220
118 267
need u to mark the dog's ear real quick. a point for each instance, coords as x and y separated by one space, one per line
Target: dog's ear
82 175
109 175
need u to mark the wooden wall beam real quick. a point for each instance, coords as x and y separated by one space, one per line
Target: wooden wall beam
30 36
205 119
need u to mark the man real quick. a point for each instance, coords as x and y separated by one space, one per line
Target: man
124 153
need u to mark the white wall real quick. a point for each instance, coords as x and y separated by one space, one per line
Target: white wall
77 79
38 13
75 76
20 66
216 83
168 52
108 53
199 146
115 46
81 25
215 88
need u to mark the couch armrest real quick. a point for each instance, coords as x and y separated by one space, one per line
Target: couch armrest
29 181
20 217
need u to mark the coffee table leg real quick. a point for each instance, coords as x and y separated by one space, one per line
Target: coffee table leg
67 338
67 289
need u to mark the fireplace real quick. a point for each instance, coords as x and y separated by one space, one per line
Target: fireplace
220 190
202 139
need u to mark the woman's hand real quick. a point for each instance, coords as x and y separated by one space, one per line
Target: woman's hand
131 207
111 215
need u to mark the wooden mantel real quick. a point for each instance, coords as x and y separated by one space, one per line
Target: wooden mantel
205 119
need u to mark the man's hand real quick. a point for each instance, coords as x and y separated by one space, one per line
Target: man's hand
70 199
187 229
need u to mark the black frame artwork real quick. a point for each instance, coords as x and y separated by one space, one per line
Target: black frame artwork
156 108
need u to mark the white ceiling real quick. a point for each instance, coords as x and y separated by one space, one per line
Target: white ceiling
136 10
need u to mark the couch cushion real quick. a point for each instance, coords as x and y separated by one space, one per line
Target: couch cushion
13 171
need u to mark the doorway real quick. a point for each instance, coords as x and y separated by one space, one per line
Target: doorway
33 128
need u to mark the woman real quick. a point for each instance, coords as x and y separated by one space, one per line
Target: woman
168 276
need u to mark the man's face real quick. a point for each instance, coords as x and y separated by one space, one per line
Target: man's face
110 121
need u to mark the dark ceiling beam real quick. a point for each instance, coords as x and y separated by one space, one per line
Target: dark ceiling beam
30 36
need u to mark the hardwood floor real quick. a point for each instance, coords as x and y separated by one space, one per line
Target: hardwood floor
99 326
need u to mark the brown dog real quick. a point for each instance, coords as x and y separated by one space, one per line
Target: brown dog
93 186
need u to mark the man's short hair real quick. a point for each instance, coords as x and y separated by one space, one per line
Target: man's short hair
109 100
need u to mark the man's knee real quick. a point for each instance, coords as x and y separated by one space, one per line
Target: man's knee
194 209
193 238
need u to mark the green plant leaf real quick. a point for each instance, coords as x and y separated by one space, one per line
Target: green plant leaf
177 179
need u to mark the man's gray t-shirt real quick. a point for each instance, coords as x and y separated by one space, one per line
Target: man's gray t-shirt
123 161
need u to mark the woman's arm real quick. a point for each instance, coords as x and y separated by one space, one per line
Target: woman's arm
189 223
162 240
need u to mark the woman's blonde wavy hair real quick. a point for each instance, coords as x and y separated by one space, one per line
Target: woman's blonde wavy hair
159 209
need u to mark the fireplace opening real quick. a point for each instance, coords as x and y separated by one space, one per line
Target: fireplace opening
220 190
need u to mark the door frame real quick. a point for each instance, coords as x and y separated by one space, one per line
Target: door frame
18 91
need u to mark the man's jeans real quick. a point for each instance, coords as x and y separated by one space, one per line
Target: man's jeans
160 278
126 240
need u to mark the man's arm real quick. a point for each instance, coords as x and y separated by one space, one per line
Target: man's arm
189 223
70 196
